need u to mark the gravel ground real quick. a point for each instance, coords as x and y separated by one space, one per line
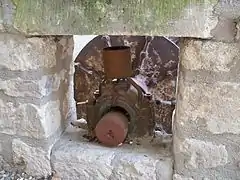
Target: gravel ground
4 175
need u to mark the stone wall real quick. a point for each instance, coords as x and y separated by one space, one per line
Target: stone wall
34 88
207 120
34 74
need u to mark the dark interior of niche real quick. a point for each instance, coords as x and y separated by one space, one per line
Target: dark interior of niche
156 59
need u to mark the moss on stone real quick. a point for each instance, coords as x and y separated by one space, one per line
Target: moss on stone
97 16
15 2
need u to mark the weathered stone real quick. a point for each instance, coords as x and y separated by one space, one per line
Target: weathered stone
35 160
179 177
225 30
4 165
209 55
139 166
228 9
20 53
203 154
32 88
179 18
237 37
216 103
69 104
30 120
79 159
9 115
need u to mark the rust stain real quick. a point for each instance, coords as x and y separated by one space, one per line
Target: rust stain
117 62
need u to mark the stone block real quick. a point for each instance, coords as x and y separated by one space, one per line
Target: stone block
179 177
30 120
228 9
216 104
225 30
4 165
35 160
190 18
238 31
69 104
209 55
74 157
19 87
202 154
24 54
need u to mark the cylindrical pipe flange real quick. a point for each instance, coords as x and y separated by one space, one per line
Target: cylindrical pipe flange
112 129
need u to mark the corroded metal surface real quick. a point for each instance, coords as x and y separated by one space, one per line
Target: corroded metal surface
155 58
112 129
117 62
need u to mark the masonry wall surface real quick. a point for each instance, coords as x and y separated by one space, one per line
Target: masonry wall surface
207 118
34 84
206 123
181 18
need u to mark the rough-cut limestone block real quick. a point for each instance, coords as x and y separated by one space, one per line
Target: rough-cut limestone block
209 55
225 30
214 105
19 87
179 177
75 158
4 164
35 160
229 9
20 53
198 154
69 104
1 19
30 120
152 17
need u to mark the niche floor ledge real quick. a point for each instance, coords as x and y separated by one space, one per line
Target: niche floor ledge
73 157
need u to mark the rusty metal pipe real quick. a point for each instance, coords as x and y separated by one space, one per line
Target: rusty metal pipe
112 129
117 62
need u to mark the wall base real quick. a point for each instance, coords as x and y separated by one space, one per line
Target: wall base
73 157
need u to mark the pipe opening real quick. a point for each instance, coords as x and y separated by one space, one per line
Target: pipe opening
116 48
117 109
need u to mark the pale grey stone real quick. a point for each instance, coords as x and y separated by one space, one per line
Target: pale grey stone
228 8
30 120
4 164
32 88
179 177
80 123
178 18
9 116
238 31
197 20
216 103
79 159
203 154
139 166
209 55
35 160
20 53
67 51
69 104
225 30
